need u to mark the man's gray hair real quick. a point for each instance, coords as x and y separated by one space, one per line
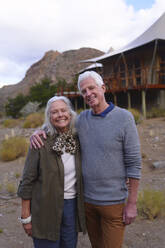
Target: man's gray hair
90 74
47 126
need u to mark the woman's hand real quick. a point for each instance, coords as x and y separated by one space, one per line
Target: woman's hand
28 228
35 140
26 213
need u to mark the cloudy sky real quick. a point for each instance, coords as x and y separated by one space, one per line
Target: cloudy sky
30 28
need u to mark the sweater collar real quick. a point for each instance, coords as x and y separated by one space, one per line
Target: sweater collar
106 111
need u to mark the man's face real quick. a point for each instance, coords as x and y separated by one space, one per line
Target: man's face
92 93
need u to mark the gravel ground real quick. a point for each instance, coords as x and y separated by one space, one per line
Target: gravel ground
140 234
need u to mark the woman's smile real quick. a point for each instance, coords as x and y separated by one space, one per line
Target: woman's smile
60 115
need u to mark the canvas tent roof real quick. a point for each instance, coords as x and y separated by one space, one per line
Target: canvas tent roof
95 65
156 31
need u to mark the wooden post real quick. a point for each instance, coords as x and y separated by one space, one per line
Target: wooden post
126 69
129 99
115 99
150 76
75 103
144 103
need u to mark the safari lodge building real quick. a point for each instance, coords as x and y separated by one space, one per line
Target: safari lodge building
135 75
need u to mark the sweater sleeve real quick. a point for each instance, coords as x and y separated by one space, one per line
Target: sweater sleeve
132 154
30 174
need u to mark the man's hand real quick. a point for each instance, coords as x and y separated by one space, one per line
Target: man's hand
35 140
130 213
28 228
130 210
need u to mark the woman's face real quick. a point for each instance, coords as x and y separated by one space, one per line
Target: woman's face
60 116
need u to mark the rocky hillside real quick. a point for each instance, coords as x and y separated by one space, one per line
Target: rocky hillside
53 65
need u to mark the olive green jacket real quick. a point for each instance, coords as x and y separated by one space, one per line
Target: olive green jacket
43 184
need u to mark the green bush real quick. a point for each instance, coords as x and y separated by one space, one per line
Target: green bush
14 105
13 148
42 92
33 120
151 204
9 123
136 114
156 112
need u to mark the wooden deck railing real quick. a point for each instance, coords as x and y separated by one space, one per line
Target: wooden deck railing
138 78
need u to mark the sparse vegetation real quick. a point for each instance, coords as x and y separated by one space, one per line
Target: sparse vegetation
11 188
156 112
1 114
136 114
13 148
34 120
144 155
79 111
1 230
151 204
41 92
14 105
10 123
17 175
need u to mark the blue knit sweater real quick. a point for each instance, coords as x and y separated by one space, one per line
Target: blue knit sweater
110 153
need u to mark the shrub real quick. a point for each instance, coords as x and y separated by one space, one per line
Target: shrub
17 175
11 189
136 114
34 120
42 92
2 114
156 112
144 155
151 204
13 148
9 123
1 230
14 105
79 111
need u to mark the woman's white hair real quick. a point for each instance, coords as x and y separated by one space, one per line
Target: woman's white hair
47 126
90 74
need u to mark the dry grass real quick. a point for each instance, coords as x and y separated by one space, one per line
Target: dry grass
11 188
34 120
151 204
156 112
136 114
10 123
13 148
79 110
17 175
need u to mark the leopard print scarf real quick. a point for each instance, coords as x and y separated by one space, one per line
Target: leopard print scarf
65 142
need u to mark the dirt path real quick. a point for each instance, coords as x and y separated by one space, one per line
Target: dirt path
141 234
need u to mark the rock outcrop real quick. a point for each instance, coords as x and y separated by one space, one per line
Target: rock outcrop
53 65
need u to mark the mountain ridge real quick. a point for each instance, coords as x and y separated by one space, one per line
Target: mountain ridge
53 65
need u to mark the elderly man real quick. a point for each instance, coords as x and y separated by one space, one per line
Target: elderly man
110 155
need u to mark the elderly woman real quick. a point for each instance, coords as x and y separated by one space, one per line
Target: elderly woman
51 186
